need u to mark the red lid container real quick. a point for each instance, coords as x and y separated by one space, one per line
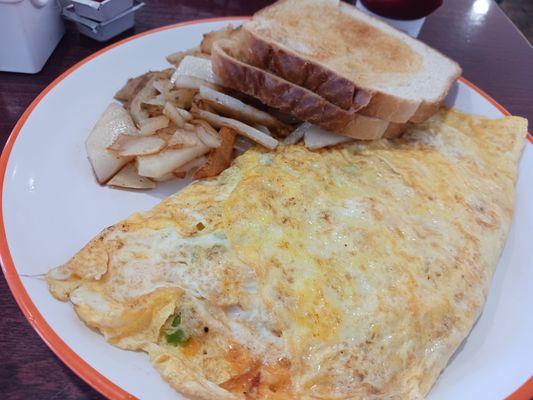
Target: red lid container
402 9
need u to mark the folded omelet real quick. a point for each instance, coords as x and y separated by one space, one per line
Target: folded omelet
347 273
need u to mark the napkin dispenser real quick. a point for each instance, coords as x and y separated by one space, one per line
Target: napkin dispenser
29 31
103 30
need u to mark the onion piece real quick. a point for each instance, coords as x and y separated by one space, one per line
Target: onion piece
246 130
235 108
297 134
207 138
144 95
149 126
162 86
316 138
128 178
187 116
130 145
157 165
172 94
176 115
158 100
207 134
263 129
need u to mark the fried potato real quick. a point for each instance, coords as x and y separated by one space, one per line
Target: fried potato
150 126
219 158
211 37
175 58
128 178
134 145
256 135
134 85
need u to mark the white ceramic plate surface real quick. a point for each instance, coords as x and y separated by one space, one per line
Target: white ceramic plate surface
52 206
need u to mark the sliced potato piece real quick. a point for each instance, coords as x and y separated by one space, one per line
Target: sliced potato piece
220 158
196 67
183 138
316 138
166 177
132 87
180 174
235 108
183 97
128 178
190 82
115 121
134 145
157 165
177 57
149 126
246 130
166 133
152 110
167 89
191 165
200 104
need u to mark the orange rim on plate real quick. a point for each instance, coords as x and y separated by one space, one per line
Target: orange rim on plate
30 311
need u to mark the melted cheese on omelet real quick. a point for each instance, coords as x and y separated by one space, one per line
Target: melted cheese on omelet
347 273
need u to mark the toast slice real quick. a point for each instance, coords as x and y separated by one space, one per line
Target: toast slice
349 58
285 96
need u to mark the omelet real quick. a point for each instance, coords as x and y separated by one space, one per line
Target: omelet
352 272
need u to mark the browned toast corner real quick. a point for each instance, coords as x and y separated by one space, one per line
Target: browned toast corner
350 59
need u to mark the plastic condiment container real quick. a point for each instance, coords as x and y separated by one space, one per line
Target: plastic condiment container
105 30
101 10
29 32
411 27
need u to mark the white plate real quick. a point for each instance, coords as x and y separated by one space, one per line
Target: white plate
51 206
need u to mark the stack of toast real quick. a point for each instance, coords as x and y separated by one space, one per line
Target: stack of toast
327 63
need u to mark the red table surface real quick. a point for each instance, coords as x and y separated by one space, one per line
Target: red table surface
493 55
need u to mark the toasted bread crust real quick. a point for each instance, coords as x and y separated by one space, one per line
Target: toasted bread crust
390 108
271 57
292 64
276 92
326 83
427 109
288 97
